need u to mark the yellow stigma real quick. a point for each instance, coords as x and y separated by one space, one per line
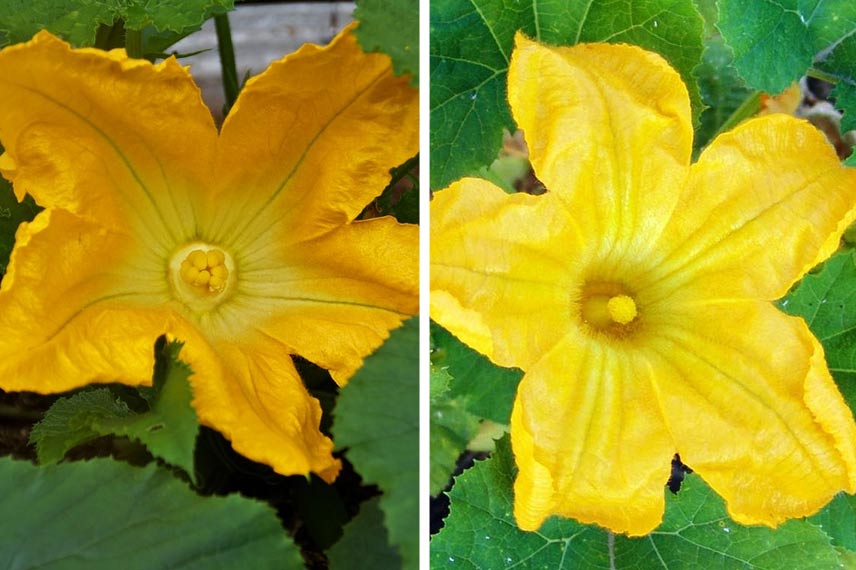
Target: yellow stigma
621 309
205 271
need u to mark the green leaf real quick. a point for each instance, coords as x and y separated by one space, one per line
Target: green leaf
695 533
103 514
486 390
365 539
841 67
168 429
471 45
451 429
838 520
78 21
377 421
827 302
722 90
391 27
775 43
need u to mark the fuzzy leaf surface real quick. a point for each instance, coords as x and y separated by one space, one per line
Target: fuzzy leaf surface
168 429
485 390
695 533
365 539
103 514
827 302
391 27
77 21
377 422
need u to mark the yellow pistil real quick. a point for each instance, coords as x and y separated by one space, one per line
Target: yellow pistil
206 271
621 309
605 306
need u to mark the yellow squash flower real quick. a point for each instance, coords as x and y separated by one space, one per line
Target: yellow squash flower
242 244
636 296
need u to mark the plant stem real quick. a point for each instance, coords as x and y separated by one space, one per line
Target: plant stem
747 108
227 60
134 43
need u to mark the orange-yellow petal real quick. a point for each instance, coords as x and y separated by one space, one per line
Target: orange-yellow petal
310 142
252 394
753 409
70 313
609 130
501 269
765 203
334 299
589 438
116 140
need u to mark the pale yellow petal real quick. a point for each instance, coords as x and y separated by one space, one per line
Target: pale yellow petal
508 259
589 438
609 130
765 203
753 410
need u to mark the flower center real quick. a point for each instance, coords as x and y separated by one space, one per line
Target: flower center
201 275
206 271
608 308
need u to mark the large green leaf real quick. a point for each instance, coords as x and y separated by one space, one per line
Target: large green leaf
391 27
485 390
695 533
365 540
377 422
827 301
103 514
168 428
451 429
77 21
838 520
775 43
471 45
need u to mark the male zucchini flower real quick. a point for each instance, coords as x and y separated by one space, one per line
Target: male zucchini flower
636 295
243 244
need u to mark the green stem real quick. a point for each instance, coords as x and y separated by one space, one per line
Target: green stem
227 60
134 43
747 108
823 76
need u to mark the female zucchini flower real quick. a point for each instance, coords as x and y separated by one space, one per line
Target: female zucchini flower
243 245
636 296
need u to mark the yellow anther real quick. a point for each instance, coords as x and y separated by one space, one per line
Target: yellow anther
198 259
622 309
215 257
205 270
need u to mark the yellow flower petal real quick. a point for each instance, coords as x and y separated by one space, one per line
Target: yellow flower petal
608 129
635 294
765 203
762 423
497 264
334 309
72 143
335 120
126 160
68 318
577 441
252 394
